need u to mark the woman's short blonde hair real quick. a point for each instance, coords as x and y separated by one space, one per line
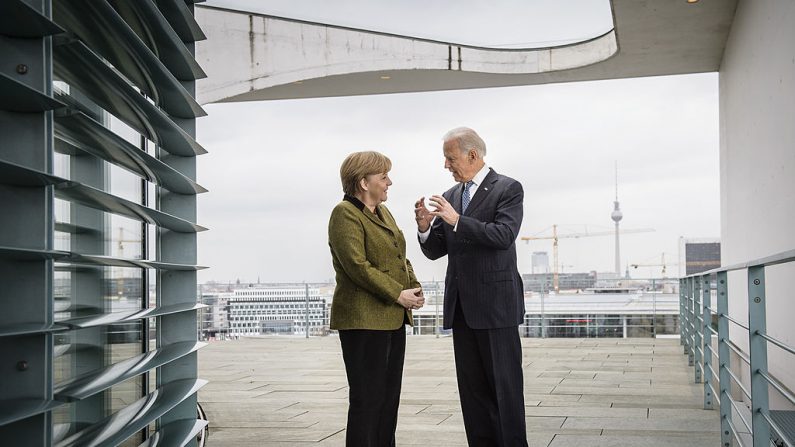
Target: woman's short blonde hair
359 165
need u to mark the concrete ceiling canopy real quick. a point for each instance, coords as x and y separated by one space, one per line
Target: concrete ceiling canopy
255 57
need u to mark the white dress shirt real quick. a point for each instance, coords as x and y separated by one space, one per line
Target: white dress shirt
477 180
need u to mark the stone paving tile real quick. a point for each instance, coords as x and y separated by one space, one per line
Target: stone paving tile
640 400
652 405
595 412
306 387
224 413
449 408
715 437
451 395
245 437
592 382
224 377
669 413
555 403
540 423
228 396
283 391
552 397
595 390
566 440
429 400
540 381
234 386
670 424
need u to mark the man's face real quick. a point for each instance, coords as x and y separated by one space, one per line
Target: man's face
463 165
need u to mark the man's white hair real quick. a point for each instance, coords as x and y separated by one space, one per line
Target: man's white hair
467 139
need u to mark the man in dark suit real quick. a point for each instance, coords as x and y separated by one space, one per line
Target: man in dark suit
475 223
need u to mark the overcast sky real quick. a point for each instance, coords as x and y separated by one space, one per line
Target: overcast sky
273 167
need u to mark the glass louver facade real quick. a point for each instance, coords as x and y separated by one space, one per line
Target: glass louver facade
98 222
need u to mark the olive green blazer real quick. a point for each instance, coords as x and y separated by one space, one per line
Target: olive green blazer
369 255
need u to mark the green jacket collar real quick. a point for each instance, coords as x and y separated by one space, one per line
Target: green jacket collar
360 205
356 202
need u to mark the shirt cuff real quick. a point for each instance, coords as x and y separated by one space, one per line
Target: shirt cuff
455 228
424 236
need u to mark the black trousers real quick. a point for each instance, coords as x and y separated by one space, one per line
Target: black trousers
374 366
488 364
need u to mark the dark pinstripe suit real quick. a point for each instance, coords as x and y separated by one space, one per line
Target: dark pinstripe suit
484 304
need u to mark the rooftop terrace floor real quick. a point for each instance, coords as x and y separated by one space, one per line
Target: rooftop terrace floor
282 391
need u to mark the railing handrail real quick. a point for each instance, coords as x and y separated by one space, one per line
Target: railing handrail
777 342
780 387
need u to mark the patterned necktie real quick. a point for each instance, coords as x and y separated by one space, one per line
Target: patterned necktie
465 197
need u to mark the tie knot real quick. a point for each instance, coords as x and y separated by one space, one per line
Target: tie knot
468 184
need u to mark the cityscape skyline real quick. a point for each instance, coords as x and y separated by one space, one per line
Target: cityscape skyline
561 141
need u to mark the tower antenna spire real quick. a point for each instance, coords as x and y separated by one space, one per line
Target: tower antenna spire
617 215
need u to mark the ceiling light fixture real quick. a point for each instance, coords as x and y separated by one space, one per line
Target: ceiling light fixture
385 78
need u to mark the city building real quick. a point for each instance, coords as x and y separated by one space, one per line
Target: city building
543 282
214 319
631 312
539 262
642 309
698 255
277 310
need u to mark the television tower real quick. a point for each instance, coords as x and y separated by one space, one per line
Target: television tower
617 215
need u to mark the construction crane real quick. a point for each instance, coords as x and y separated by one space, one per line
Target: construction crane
662 264
555 236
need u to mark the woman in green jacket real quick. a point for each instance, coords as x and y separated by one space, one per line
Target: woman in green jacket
375 293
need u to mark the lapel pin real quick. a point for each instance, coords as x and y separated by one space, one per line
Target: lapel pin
485 189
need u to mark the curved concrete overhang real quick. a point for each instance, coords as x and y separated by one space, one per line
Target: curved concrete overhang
252 57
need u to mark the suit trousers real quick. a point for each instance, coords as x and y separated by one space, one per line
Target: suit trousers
488 364
374 366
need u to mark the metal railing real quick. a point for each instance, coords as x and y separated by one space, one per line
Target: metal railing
697 313
647 308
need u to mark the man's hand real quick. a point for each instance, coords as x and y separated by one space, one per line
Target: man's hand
444 210
411 298
422 215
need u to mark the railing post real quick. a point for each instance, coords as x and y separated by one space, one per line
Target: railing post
682 314
436 306
306 319
758 350
723 360
654 308
690 324
706 315
686 315
697 330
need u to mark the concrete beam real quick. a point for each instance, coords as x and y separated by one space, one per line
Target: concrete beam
252 57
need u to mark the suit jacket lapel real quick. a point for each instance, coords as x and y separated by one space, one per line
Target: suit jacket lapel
456 199
482 192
